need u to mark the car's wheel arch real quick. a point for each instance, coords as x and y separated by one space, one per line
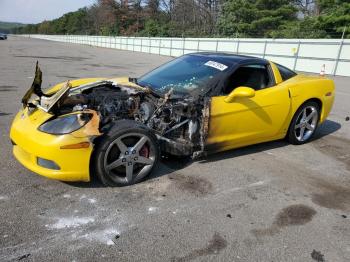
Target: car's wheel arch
316 100
108 131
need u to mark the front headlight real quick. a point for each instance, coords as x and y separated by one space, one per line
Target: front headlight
65 124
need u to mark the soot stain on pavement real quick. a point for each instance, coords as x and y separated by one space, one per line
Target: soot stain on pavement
71 77
94 65
215 245
8 88
67 58
194 185
107 66
335 147
333 197
114 67
294 215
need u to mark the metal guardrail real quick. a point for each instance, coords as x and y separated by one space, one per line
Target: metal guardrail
307 55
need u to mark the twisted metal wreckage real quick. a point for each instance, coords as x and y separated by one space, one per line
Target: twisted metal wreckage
180 124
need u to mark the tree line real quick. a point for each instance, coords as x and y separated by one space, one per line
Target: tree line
204 18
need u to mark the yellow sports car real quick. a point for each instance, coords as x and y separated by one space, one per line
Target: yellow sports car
196 104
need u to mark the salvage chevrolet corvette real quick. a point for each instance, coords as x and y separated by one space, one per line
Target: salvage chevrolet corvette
194 105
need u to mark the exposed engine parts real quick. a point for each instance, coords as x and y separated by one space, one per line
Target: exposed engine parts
178 123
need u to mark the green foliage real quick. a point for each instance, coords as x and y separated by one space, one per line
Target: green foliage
155 28
6 27
200 18
151 28
300 29
335 15
249 18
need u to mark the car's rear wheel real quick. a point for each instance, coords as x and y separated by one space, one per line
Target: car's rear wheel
126 155
304 123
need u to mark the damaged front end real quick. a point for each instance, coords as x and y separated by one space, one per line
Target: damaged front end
180 124
35 97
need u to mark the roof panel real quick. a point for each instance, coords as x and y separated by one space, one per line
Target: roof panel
228 57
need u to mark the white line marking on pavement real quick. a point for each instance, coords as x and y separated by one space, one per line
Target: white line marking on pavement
71 222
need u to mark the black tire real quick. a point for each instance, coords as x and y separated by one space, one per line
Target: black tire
112 166
295 134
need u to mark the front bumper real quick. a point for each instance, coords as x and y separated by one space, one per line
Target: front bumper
31 144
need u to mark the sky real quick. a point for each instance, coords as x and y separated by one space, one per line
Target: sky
36 11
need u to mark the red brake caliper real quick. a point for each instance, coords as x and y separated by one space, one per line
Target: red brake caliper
144 151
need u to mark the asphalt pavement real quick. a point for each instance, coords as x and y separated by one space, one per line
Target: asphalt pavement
267 202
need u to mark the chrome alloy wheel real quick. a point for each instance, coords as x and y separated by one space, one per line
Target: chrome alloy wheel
306 123
129 157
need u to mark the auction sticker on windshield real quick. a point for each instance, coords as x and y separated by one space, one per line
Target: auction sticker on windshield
216 65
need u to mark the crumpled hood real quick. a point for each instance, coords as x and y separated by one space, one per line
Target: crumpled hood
35 97
124 81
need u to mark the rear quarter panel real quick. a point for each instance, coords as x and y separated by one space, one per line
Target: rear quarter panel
303 88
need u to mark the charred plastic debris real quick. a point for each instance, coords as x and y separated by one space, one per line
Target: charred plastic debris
180 124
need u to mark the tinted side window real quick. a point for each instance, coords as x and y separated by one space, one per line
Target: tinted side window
285 72
254 76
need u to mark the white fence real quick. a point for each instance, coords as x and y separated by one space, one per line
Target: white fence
307 55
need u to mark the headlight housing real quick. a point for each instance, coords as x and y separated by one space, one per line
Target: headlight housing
65 124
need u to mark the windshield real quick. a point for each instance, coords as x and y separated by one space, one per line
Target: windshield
187 75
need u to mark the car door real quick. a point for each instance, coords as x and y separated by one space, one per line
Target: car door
252 120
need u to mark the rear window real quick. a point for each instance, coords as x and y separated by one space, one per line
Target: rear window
285 72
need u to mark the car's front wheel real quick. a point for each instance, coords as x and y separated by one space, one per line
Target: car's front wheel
304 123
125 155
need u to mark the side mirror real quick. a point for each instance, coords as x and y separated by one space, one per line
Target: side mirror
241 91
